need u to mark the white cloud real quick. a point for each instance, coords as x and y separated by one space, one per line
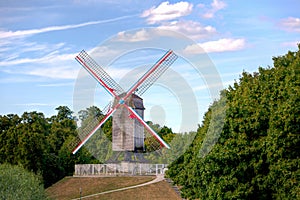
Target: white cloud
53 65
290 24
53 57
12 52
45 60
191 29
55 72
33 104
166 11
220 85
166 16
215 6
290 44
13 44
57 84
34 46
138 36
221 45
24 33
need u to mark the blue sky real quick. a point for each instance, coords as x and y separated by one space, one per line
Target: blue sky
39 40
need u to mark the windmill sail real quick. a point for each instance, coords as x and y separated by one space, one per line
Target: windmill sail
88 133
126 138
154 72
99 74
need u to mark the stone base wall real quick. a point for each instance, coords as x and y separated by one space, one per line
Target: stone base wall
124 168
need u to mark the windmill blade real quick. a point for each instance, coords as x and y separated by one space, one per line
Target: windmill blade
156 74
153 74
153 133
107 108
99 74
91 133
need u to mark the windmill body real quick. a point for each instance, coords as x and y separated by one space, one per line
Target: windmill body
127 132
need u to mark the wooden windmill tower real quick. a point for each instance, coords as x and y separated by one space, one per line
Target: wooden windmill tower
127 108
128 132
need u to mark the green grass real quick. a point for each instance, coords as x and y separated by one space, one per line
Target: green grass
69 187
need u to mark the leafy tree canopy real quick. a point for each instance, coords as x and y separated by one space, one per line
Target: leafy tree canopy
43 145
18 184
257 153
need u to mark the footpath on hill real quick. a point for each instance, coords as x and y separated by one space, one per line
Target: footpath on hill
157 179
113 188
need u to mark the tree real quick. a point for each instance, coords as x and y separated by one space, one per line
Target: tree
41 145
8 139
99 145
58 160
18 184
30 135
257 153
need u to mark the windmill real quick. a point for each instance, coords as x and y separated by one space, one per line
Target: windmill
127 108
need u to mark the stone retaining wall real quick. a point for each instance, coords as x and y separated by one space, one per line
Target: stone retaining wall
124 168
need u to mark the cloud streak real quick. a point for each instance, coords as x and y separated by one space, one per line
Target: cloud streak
221 45
192 29
189 28
33 104
291 24
53 57
221 85
30 32
53 65
139 36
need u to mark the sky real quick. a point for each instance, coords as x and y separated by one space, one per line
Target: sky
40 39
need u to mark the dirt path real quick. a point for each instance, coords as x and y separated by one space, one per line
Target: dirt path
157 179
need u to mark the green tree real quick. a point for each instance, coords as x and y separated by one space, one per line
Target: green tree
8 137
99 145
151 143
18 184
62 134
30 135
257 154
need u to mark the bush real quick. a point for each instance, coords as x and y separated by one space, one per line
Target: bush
17 183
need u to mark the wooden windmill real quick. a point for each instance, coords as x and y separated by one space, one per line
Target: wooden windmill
127 108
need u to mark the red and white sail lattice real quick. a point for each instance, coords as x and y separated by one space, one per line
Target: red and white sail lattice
114 89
